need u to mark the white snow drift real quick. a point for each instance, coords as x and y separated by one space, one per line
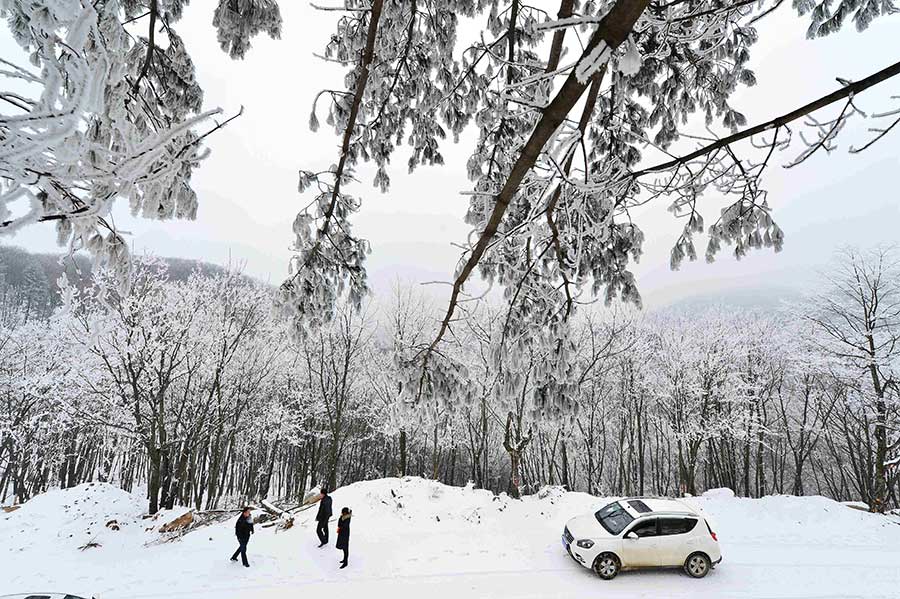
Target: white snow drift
418 538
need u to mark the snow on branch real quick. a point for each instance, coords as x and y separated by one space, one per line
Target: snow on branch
110 117
331 255
610 33
880 132
846 91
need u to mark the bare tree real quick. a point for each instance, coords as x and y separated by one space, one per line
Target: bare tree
858 316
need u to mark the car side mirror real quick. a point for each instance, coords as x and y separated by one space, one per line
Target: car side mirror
631 535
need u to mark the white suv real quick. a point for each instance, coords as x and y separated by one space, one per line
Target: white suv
643 532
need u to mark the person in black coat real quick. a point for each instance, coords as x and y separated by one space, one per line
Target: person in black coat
343 533
243 528
322 517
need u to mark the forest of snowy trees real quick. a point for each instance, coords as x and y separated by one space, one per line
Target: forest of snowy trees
209 388
195 390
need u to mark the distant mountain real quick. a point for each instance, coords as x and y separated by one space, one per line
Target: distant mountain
30 279
757 299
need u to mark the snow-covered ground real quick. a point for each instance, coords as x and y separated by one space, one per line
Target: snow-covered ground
417 538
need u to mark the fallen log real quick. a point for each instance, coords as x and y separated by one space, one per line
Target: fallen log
285 518
182 521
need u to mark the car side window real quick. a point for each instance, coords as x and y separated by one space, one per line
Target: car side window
646 528
676 526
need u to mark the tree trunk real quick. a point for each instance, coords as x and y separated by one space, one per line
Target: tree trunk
153 481
402 453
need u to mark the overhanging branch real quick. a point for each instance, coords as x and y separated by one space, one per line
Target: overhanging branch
611 31
846 91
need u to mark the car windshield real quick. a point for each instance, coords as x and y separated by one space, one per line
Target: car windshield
614 518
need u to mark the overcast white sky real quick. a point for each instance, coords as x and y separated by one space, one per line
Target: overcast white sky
248 196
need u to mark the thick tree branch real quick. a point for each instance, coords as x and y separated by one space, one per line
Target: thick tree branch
611 31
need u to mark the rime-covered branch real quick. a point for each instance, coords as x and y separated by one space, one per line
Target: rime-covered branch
609 34
846 91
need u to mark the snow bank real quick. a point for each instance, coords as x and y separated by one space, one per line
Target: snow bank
413 537
70 518
789 520
721 493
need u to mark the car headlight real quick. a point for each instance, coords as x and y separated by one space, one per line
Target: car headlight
585 543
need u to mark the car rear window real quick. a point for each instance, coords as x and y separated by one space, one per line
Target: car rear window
676 526
639 506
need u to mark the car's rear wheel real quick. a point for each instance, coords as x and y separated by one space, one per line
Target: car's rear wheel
697 565
607 565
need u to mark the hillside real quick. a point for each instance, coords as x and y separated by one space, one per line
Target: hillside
418 538
35 275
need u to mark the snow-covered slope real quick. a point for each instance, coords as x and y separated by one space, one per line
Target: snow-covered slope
417 538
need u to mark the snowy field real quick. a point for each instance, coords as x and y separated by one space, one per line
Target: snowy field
417 538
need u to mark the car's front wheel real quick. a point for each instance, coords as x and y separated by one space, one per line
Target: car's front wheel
607 565
697 565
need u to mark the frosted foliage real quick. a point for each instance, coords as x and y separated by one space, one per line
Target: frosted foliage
108 109
828 17
534 354
196 371
390 99
564 233
236 21
445 385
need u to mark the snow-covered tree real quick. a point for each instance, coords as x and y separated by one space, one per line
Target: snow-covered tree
858 317
38 380
103 113
333 365
180 367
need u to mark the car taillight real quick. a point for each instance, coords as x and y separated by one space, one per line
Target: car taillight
711 533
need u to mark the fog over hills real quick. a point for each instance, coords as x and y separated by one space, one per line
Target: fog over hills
37 274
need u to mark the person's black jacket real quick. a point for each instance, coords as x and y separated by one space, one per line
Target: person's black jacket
243 527
343 539
324 512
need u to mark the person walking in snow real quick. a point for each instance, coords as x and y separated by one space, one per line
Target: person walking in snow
322 517
343 533
243 528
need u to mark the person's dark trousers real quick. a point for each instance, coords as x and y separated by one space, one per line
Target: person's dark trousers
345 556
322 531
242 551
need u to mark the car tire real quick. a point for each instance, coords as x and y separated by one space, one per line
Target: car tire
607 565
697 565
